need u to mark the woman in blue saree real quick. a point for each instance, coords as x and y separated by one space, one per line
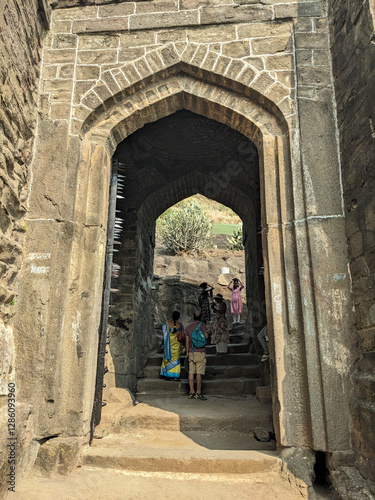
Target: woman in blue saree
173 330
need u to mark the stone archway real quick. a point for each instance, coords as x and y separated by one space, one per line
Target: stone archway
306 301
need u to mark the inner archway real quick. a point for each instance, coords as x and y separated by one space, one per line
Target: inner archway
164 162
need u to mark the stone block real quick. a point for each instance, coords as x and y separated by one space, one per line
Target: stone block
91 100
117 10
111 83
179 35
247 76
235 13
142 68
222 65
58 455
212 34
154 61
49 72
60 111
277 92
97 57
64 41
108 25
163 20
84 12
157 6
130 73
272 45
102 42
304 57
262 83
57 85
319 76
87 72
81 88
236 49
298 9
59 56
264 30
303 25
61 27
300 462
255 62
66 71
311 41
138 39
130 54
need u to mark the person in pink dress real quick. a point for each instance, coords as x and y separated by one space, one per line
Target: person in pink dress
236 301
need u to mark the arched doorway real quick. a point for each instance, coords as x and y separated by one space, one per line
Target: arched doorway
305 309
162 163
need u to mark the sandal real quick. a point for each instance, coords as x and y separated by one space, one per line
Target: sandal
191 395
200 396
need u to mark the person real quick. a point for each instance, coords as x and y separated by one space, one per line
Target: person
171 365
197 358
220 335
203 301
263 339
236 301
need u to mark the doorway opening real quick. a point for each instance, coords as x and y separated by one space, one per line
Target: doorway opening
163 163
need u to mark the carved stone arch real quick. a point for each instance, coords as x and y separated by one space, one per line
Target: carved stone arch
111 124
196 60
305 414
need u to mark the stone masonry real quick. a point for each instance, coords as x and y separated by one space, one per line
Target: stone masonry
22 30
264 69
353 50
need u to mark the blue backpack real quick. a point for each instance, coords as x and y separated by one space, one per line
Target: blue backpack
198 338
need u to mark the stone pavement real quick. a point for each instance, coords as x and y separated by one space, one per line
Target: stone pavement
163 448
94 484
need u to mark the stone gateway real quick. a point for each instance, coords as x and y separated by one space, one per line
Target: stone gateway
265 106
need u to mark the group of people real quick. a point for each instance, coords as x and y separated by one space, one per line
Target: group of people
175 336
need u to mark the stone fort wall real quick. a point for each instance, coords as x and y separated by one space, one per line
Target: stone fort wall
280 49
22 30
353 51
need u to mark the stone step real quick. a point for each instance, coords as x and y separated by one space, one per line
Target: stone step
216 386
170 451
215 371
177 412
216 359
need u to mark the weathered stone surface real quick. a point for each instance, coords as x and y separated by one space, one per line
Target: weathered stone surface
68 203
351 31
231 14
58 455
300 462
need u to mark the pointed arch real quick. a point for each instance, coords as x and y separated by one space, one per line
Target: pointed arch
121 82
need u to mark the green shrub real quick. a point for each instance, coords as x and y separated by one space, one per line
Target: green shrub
185 229
235 242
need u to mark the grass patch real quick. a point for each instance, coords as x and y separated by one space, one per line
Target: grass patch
227 229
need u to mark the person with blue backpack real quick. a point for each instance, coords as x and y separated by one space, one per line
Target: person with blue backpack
196 336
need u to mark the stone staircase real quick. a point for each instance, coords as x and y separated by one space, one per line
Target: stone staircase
165 434
234 373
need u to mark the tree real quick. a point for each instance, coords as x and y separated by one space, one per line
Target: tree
185 229
236 241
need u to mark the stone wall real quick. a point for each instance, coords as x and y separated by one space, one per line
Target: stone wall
264 71
353 51
22 28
